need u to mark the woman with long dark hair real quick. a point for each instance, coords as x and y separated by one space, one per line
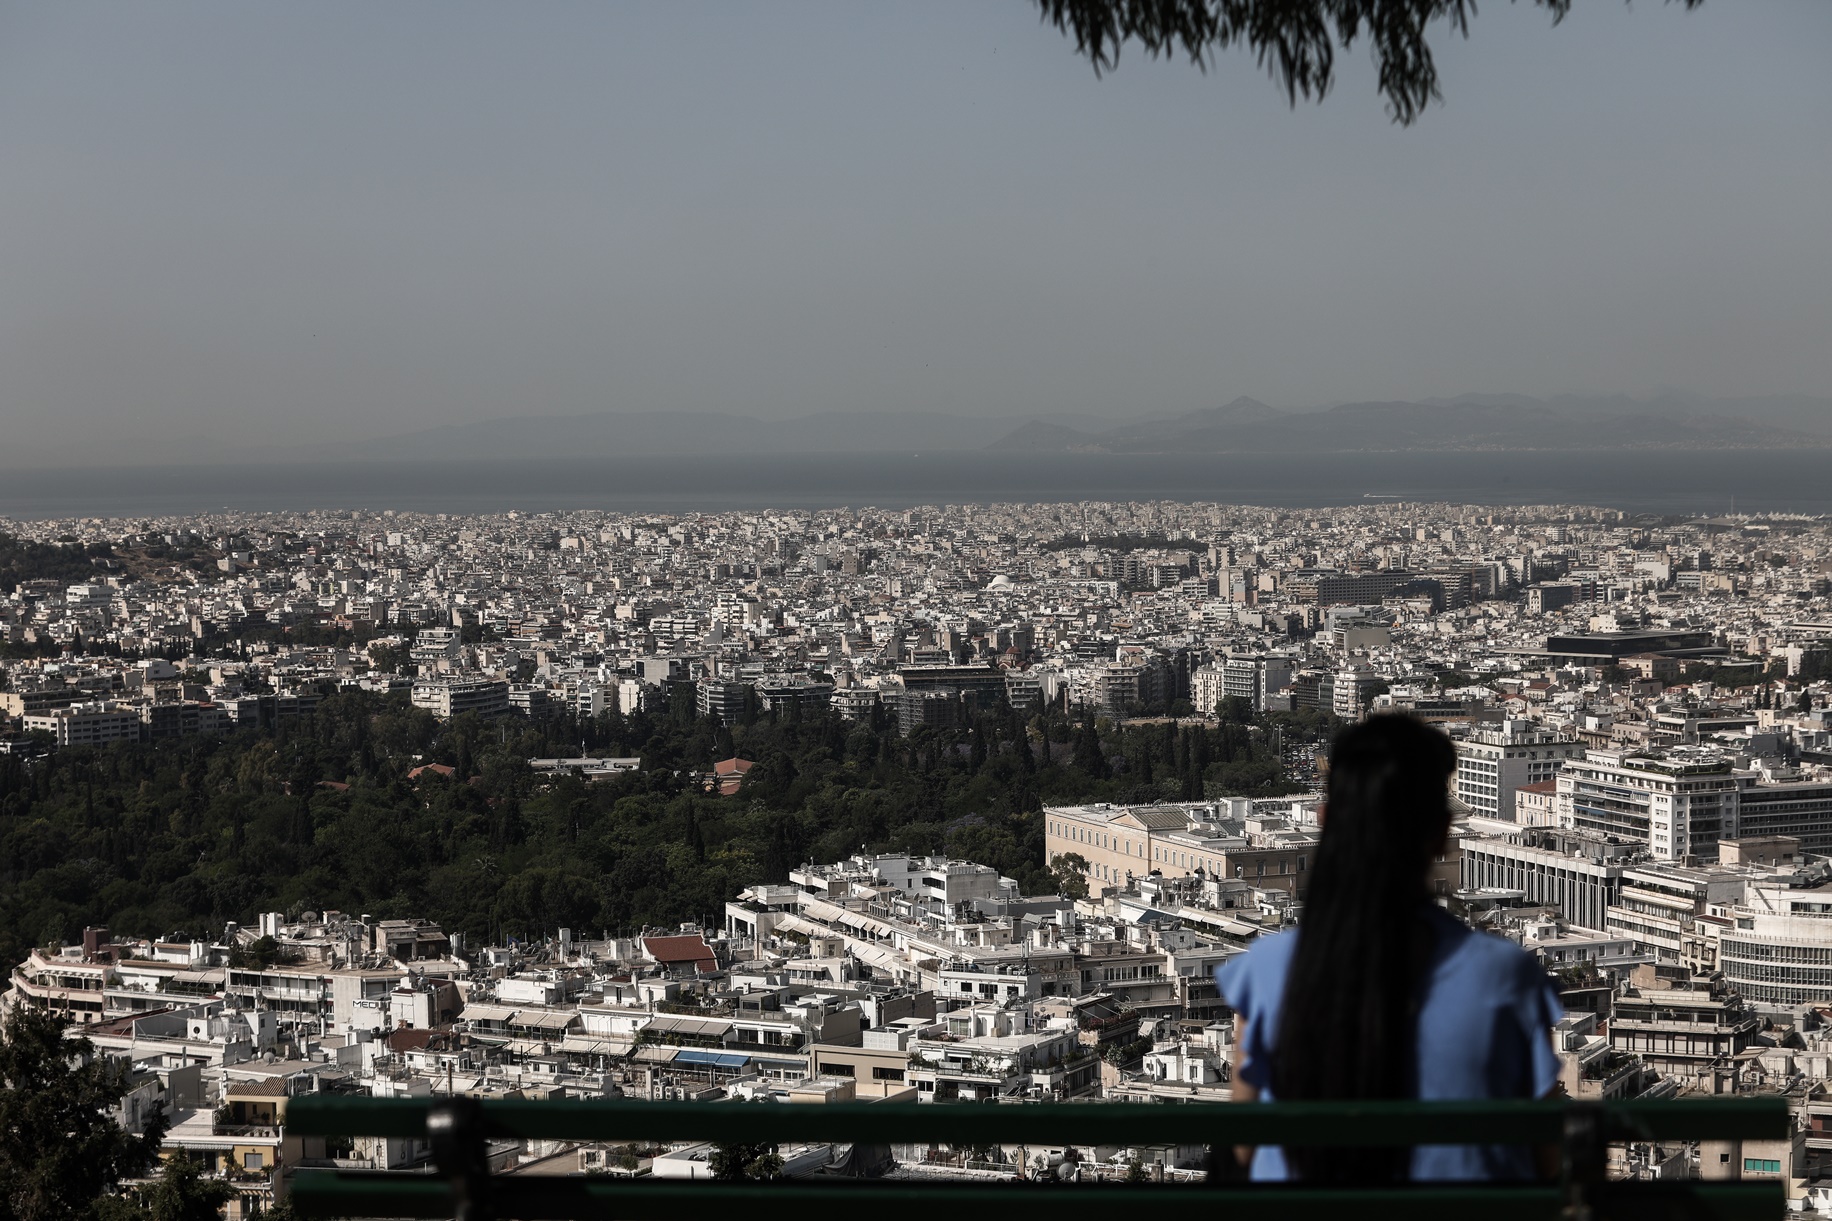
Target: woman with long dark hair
1379 993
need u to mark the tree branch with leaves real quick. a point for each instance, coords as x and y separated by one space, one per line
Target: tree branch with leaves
1295 41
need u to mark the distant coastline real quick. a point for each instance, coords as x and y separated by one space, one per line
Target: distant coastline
1470 424
1655 481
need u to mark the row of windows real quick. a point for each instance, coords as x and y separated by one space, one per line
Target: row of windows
1647 933
1766 952
1609 801
1592 820
1080 835
1779 994
1652 911
1771 973
1672 1045
1150 970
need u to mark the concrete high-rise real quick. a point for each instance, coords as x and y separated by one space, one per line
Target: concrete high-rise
1493 762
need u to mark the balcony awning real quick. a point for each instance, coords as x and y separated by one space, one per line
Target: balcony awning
535 1020
867 953
797 1064
833 913
722 1059
688 1027
574 1045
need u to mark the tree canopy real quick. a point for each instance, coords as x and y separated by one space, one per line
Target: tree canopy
60 1147
180 1193
745 1163
1294 40
183 834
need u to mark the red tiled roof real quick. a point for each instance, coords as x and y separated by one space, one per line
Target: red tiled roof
673 950
409 1039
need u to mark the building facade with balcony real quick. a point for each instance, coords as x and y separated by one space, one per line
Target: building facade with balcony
1689 1033
1494 763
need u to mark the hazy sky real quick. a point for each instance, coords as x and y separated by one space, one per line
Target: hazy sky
243 221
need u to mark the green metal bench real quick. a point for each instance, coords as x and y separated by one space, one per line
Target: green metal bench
462 1186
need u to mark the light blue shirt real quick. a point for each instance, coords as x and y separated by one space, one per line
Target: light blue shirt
1484 1032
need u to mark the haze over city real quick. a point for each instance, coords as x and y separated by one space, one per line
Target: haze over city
239 227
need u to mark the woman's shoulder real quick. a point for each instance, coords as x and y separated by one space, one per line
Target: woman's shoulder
1269 948
1257 970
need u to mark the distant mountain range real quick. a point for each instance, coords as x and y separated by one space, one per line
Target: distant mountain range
1470 422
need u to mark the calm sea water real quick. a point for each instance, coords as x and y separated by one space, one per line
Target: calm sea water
1642 481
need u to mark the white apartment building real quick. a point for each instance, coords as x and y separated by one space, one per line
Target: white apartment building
1353 689
1777 949
87 724
1681 802
1207 687
1107 687
1678 806
1660 906
1248 678
1494 762
448 697
947 881
1258 677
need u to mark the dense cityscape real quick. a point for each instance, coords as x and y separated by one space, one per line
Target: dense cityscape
959 803
652 610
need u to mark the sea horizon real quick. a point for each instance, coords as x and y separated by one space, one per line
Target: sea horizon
1642 481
